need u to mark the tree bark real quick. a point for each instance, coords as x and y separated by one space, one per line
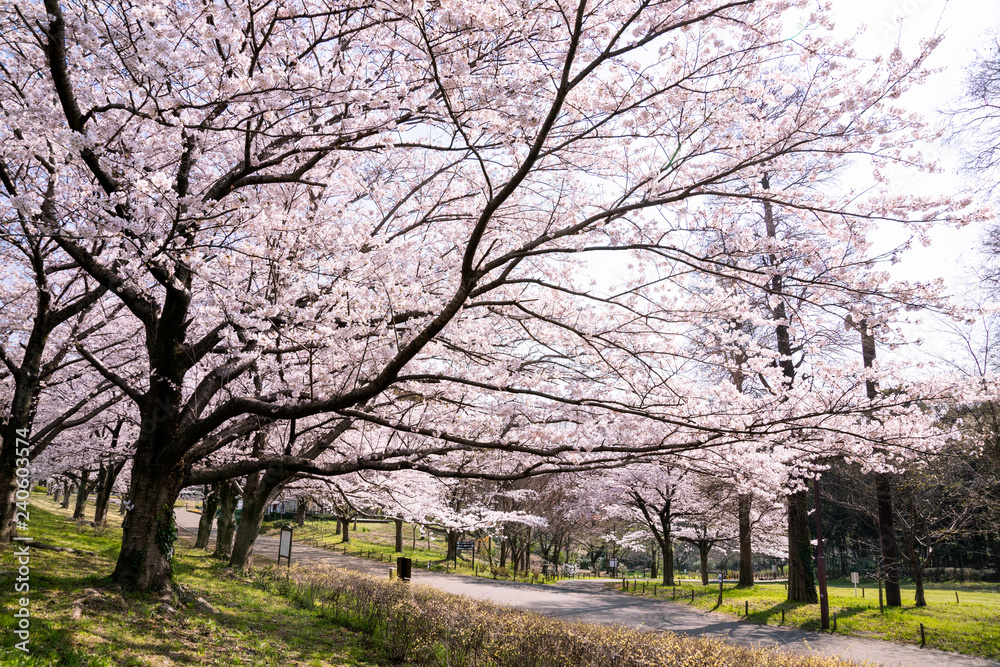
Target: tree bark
746 550
452 545
149 530
345 526
106 485
704 547
228 496
399 535
300 511
887 540
209 506
257 494
8 473
67 487
667 549
82 493
801 574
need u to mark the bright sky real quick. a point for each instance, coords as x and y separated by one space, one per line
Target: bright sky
966 25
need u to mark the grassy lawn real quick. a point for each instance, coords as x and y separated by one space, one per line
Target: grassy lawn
251 627
971 626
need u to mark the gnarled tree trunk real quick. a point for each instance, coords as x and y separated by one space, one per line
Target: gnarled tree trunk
82 493
107 476
399 534
149 531
228 496
345 525
257 495
67 489
209 506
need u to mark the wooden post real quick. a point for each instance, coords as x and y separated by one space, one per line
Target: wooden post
824 602
923 640
746 608
956 597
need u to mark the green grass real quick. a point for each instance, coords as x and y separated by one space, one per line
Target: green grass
377 541
971 626
252 627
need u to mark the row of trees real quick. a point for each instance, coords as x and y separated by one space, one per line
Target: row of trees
252 244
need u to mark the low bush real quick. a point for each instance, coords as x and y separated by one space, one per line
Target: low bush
427 627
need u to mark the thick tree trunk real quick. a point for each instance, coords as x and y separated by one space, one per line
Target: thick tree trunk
703 548
228 496
16 424
257 494
887 540
667 549
801 574
106 485
452 545
209 506
149 530
67 489
55 495
345 526
102 494
8 481
746 550
13 450
300 511
82 493
399 535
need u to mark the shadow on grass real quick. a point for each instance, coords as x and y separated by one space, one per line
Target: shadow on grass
764 616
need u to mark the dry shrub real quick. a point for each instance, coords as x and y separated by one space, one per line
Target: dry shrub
425 626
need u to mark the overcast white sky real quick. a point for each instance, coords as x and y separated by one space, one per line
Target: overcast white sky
966 26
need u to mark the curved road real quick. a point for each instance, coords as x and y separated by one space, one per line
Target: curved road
591 601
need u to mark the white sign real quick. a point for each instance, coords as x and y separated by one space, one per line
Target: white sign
612 563
285 545
855 578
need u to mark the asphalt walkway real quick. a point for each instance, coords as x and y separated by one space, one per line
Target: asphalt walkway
589 600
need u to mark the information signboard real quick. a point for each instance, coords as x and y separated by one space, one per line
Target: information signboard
285 545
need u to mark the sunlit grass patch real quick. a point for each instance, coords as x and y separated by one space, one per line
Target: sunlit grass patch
970 625
251 627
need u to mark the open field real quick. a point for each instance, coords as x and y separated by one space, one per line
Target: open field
970 626
251 627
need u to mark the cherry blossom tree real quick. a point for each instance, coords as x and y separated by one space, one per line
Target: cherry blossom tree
430 181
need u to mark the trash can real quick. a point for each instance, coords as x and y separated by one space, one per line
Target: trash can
403 567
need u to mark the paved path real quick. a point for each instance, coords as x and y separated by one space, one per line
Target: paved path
590 600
